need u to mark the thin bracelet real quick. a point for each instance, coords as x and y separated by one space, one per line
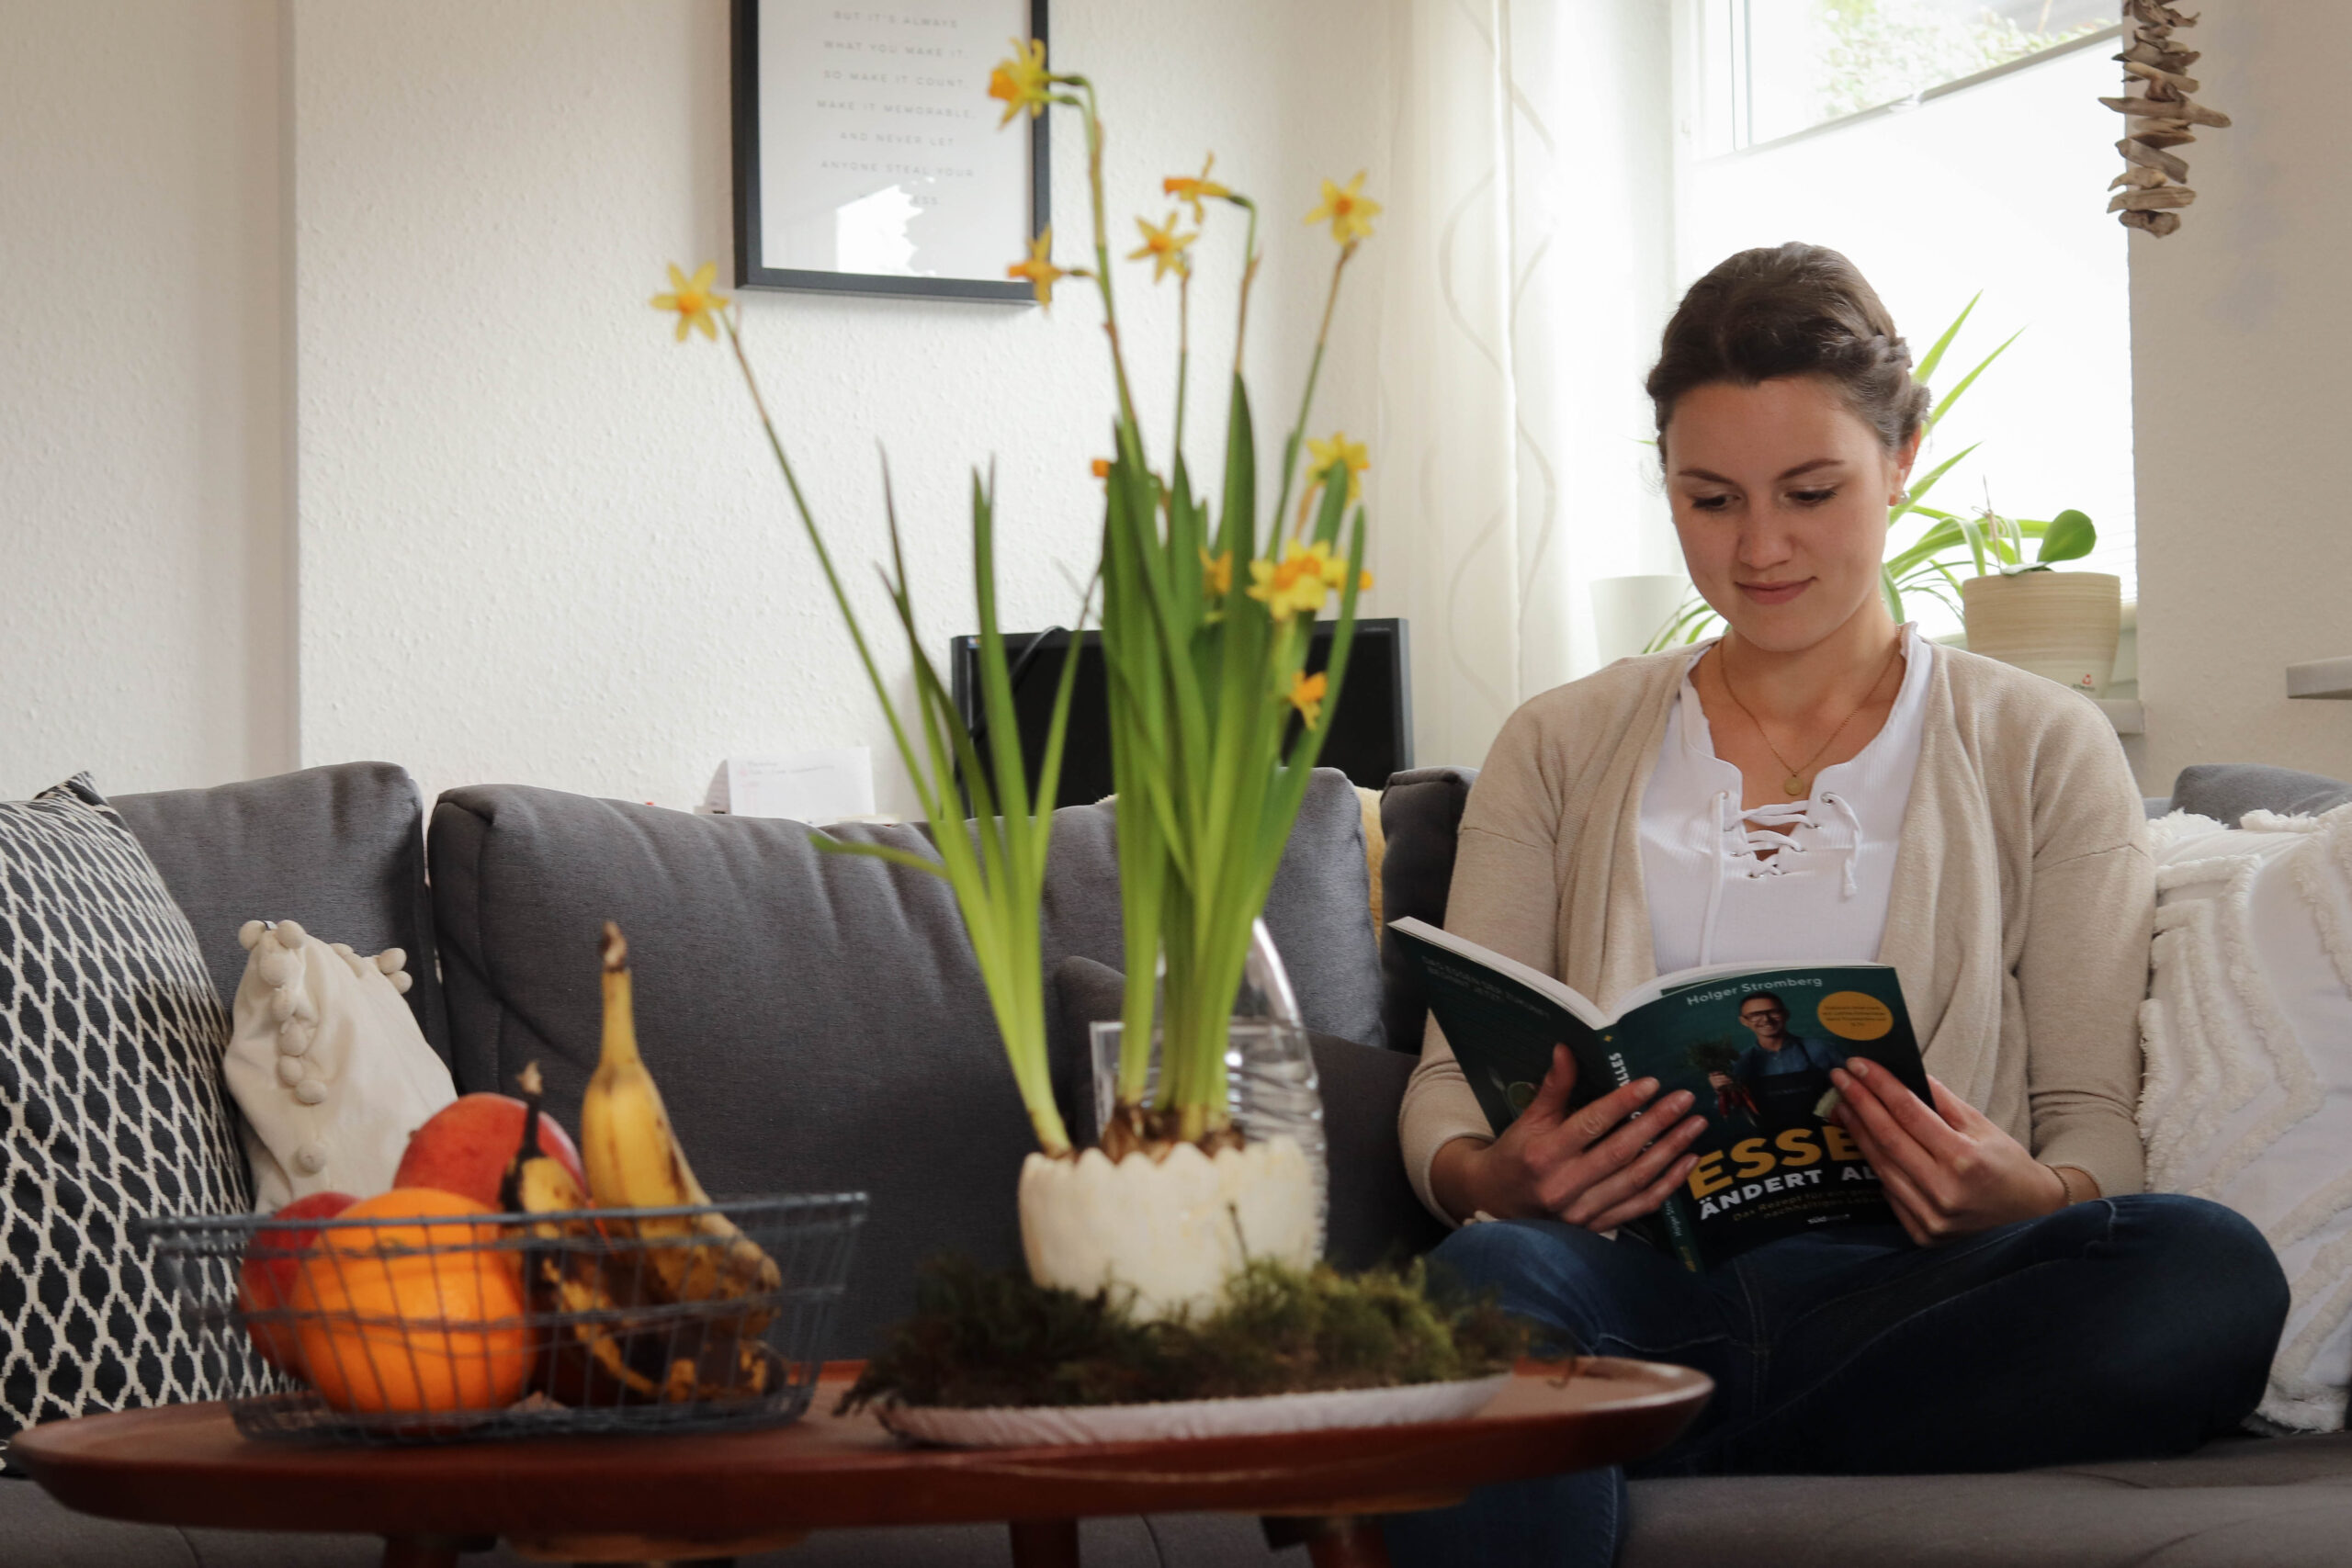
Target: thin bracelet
2066 1186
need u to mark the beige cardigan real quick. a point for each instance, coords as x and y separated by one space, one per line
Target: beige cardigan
2020 922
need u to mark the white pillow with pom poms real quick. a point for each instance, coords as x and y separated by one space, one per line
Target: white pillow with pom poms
328 1066
2247 1097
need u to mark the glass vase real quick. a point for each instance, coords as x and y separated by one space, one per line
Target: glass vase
1271 1089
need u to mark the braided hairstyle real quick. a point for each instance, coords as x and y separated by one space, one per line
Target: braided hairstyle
1792 310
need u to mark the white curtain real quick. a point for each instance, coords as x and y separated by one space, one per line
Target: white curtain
1526 274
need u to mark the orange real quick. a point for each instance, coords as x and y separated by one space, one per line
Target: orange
422 1318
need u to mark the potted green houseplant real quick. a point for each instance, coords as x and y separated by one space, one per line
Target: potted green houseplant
2062 625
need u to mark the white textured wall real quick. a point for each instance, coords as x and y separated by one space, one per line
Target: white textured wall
143 618
542 544
2240 327
538 542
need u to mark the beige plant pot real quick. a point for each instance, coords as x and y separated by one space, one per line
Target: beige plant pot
2062 625
1629 611
1173 1231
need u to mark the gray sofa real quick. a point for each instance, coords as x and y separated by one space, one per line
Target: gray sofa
818 1025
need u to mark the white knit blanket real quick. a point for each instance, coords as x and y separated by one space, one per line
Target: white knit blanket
2247 1099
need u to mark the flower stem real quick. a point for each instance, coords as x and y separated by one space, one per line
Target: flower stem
1306 398
993 897
1102 243
1249 276
825 559
1184 354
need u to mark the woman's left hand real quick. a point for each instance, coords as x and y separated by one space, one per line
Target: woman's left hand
1949 1172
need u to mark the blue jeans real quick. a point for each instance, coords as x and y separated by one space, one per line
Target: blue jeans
2125 1327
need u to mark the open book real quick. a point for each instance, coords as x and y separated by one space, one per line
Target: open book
1754 1046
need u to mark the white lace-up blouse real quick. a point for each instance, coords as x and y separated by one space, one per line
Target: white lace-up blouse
1730 886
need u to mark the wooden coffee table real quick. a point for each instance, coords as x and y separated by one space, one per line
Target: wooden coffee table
697 1496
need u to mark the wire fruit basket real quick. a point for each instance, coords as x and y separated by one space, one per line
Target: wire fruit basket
432 1328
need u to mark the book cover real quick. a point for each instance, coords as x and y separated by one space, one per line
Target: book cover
1753 1045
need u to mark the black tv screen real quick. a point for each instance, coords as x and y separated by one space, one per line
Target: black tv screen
1372 730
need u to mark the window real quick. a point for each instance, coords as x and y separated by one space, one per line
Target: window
1951 148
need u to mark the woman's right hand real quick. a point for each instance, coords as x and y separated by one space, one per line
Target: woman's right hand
1550 1164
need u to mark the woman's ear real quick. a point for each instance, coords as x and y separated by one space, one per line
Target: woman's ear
1904 456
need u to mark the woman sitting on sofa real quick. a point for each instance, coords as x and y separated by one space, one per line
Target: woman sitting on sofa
1821 785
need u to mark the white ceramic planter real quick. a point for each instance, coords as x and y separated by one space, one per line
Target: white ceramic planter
1171 1230
2062 625
1629 611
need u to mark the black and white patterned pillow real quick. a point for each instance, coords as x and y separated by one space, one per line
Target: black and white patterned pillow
111 1106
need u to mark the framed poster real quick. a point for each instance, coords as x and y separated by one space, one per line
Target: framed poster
867 154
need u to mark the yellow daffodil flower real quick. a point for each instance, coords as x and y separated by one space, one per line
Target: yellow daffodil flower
1321 455
693 299
1306 694
1297 583
1022 82
1164 246
1348 211
1039 269
1217 574
1193 189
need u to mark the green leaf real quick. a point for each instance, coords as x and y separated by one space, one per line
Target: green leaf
1976 534
1919 488
1944 535
1238 528
1944 403
1935 355
2070 537
1891 593
1691 616
890 852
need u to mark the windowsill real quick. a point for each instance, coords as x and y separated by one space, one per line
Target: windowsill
2322 678
2124 708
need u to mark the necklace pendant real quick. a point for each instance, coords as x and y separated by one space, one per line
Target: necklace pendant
1794 784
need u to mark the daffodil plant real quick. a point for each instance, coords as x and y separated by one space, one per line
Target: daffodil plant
1215 725
996 864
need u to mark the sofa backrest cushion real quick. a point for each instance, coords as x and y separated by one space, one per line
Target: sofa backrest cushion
339 849
2227 791
816 1021
1419 812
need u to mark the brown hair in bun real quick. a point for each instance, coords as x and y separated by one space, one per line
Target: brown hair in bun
1792 310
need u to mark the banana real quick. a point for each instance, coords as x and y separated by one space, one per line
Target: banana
615 1334
579 1360
634 1162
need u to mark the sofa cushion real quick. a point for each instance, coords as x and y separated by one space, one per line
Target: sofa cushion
816 1021
111 1109
2227 791
1374 1216
1419 812
2281 1502
339 849
2247 1038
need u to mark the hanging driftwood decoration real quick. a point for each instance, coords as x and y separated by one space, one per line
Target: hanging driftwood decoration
2157 114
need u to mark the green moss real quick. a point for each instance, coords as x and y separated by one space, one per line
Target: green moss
982 1338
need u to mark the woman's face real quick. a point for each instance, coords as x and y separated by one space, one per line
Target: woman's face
1781 495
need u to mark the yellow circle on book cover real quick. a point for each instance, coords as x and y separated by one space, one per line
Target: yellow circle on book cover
1854 1015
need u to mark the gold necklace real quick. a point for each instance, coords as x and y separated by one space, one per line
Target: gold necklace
1793 785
